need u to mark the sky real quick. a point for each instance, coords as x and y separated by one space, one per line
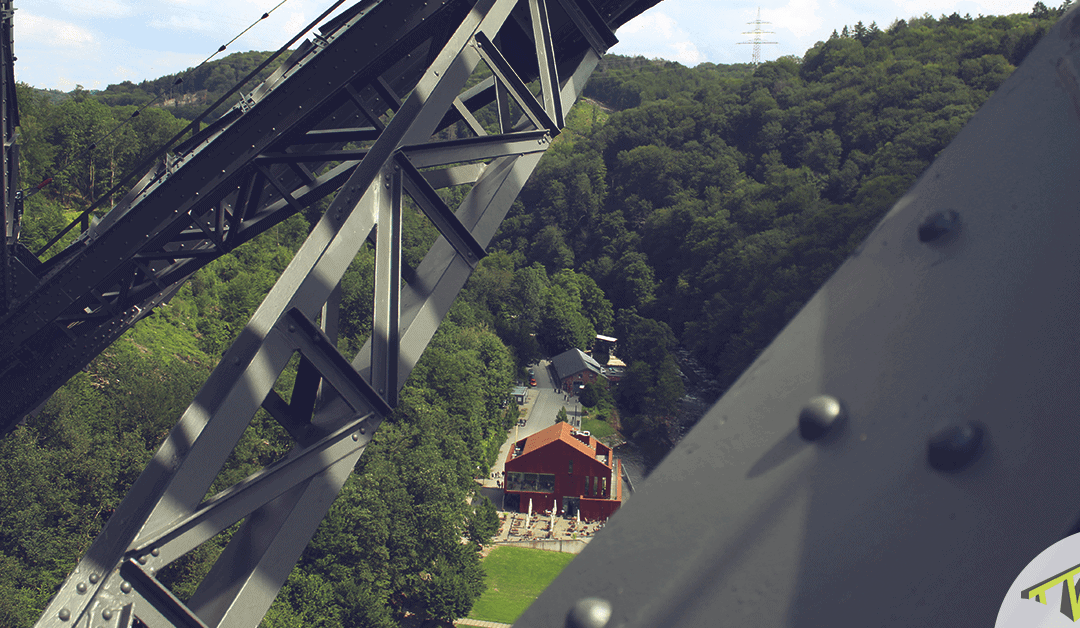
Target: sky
94 43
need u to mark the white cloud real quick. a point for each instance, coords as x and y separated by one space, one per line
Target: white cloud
98 8
40 30
295 23
798 16
186 23
652 24
687 53
656 34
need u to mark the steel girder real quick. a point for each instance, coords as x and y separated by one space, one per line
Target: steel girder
262 162
10 196
166 514
948 345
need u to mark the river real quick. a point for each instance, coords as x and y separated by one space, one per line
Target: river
640 456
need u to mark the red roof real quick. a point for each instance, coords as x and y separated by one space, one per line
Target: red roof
557 432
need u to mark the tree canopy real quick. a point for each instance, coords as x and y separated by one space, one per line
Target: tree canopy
695 208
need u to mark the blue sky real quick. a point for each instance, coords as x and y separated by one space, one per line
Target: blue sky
93 43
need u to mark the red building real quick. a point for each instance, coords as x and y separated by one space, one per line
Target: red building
565 470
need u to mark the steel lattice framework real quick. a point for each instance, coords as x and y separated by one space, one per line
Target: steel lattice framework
256 166
367 96
895 456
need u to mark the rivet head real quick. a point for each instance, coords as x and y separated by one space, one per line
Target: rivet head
94 578
292 328
142 560
820 416
236 361
955 447
356 437
155 552
64 614
938 225
363 430
125 587
81 587
590 612
106 614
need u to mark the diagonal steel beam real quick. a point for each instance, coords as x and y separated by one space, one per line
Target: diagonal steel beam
439 214
166 514
545 56
516 87
173 486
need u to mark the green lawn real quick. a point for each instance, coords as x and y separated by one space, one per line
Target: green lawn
515 577
597 428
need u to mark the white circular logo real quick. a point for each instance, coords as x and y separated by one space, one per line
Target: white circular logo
1046 593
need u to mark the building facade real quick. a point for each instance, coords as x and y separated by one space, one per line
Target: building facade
560 469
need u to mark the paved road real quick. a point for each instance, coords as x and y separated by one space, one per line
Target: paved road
542 405
547 404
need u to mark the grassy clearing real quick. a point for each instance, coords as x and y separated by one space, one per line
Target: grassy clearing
597 428
515 577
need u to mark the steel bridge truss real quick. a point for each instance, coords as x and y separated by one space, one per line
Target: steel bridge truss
264 161
336 404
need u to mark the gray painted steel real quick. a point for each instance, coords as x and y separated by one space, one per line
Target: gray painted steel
254 168
10 195
746 523
336 406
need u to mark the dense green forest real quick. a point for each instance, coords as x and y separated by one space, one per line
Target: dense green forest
682 207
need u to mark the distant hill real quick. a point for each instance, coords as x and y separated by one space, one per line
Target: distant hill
51 96
200 86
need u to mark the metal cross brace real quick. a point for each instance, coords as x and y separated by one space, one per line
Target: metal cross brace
257 166
166 514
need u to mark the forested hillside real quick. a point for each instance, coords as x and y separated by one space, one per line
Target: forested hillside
715 205
694 207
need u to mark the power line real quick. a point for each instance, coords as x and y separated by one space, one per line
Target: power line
84 216
93 144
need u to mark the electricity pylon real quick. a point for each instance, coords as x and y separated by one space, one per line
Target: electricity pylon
757 33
